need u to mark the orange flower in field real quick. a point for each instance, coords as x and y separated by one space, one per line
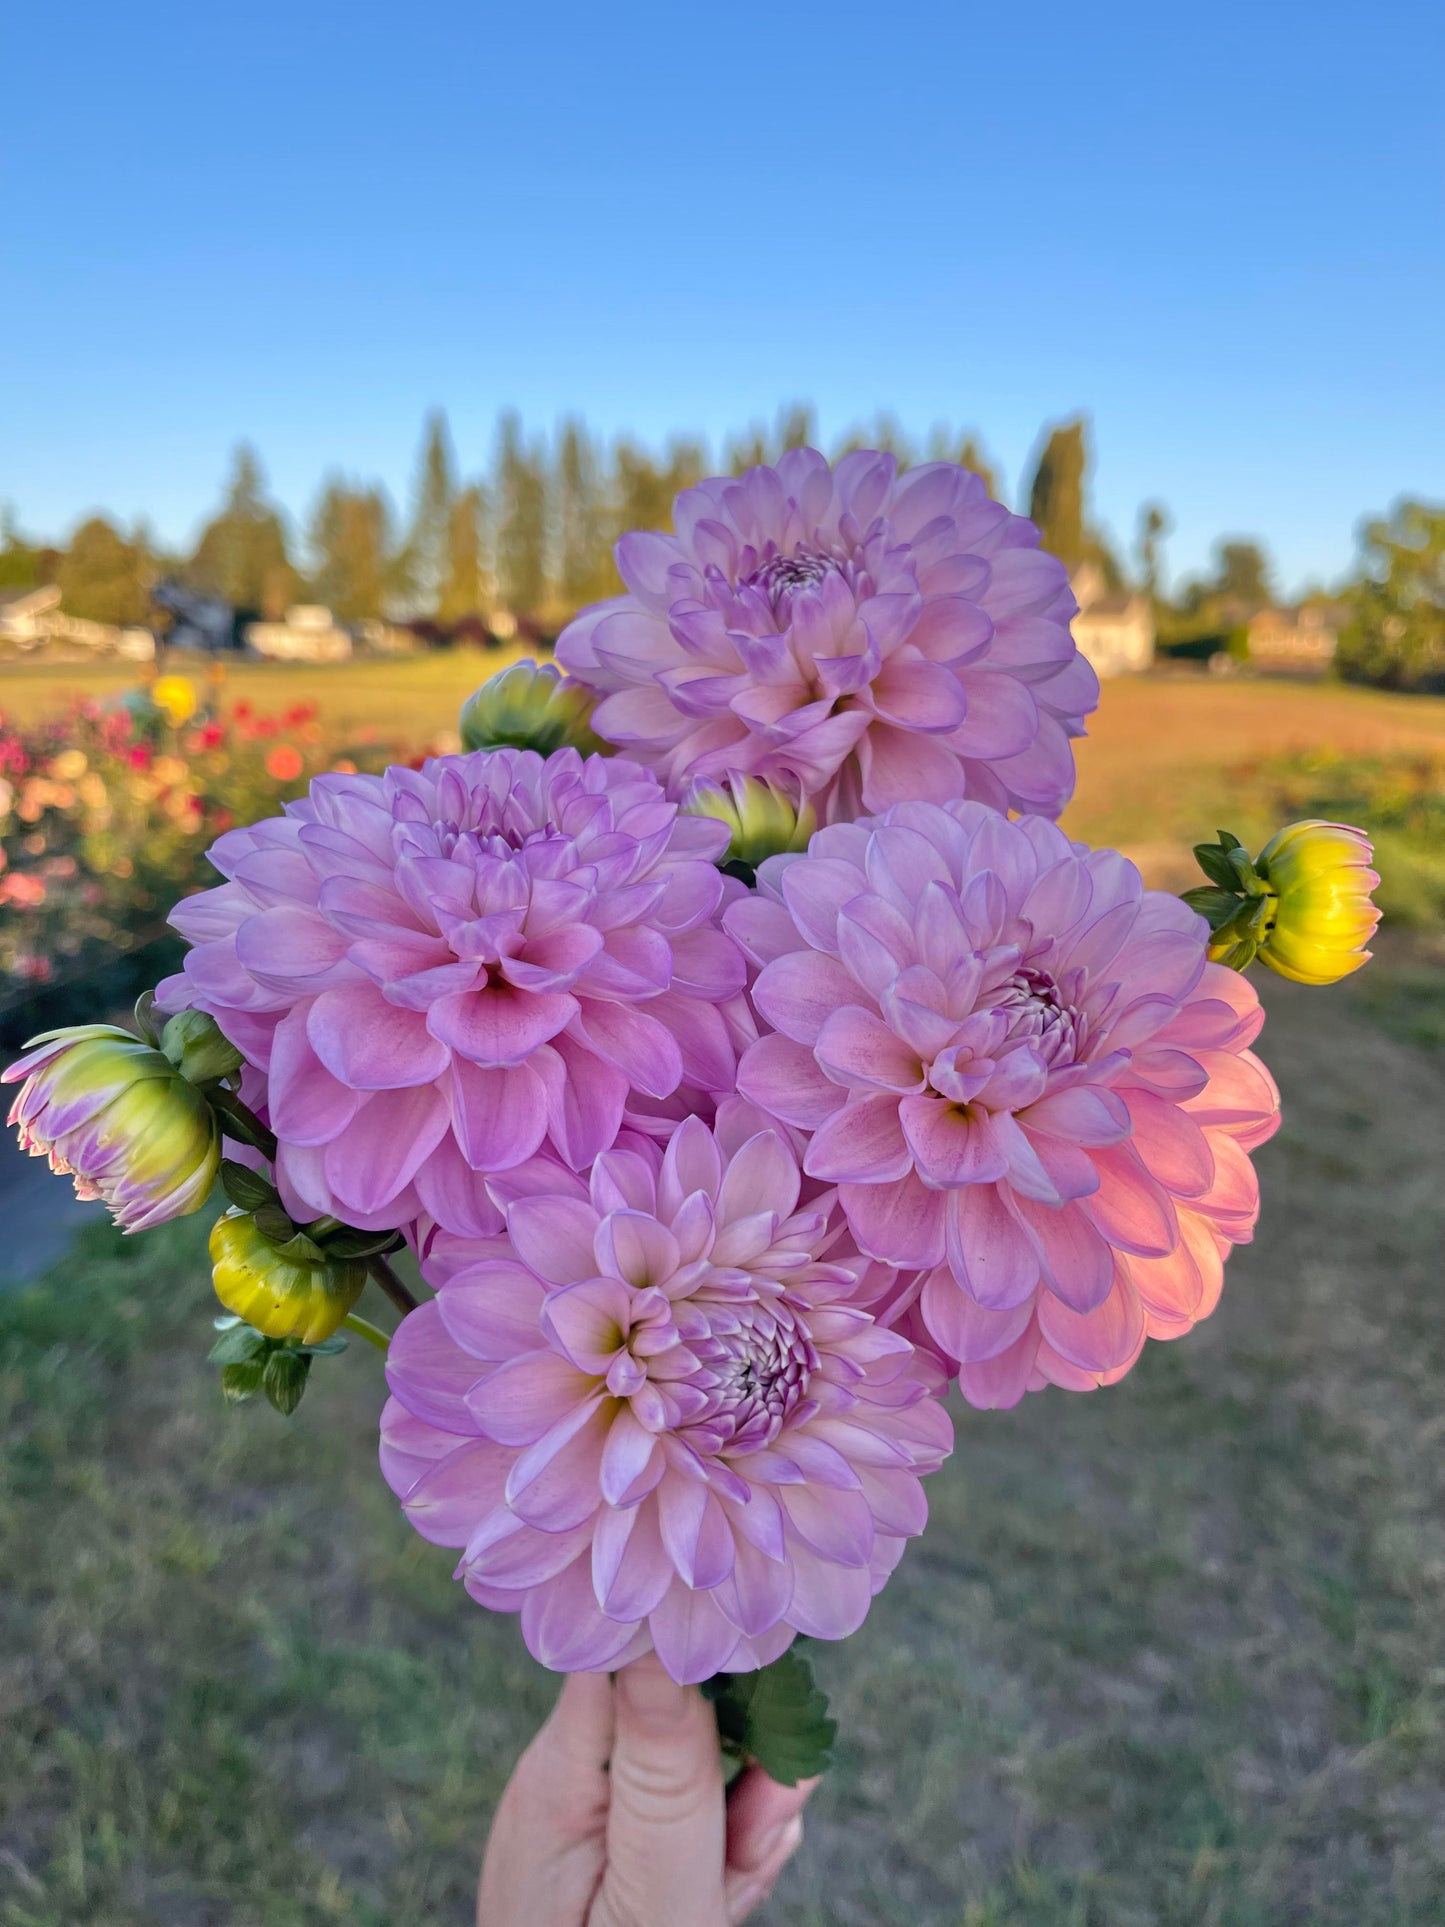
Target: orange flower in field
284 763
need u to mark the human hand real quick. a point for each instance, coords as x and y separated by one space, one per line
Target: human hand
615 1816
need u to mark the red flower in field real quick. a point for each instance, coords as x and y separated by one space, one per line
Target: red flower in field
284 763
139 756
209 736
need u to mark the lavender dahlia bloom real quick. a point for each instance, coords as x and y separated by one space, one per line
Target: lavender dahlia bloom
870 636
657 1419
440 971
1023 1074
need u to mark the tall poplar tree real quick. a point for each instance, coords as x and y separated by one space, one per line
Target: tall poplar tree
521 496
353 541
1056 495
242 554
434 503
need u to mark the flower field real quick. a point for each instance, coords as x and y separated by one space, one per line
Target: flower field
107 810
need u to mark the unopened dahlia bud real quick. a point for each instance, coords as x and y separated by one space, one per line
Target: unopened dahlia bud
116 1115
530 706
279 1293
195 1044
763 819
1321 916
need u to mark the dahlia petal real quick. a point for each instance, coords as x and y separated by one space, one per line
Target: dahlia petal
523 1398
1101 1339
997 1384
1131 1208
829 1601
428 1373
902 1223
379 1153
693 1637
633 1042
757 1592
626 1459
554 1236
444 1502
856 1047
630 1567
784 1078
499 1026
370 1044
969 1332
585 1100
565 1629
798 992
491 1309
989 1251
838 1525
553 1485
863 1143
1078 1261
950 1144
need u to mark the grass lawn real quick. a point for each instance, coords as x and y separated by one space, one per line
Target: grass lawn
1169 1656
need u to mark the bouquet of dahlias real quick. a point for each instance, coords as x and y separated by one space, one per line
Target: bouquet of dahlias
745 1056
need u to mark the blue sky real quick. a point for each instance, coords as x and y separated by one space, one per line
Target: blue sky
1214 227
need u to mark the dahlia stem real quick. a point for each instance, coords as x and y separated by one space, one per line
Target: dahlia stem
373 1334
391 1284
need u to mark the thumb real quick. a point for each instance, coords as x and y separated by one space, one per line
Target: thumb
666 1828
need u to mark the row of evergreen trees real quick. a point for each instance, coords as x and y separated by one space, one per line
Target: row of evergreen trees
534 535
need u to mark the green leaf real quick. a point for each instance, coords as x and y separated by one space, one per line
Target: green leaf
247 1189
1242 955
284 1379
274 1223
1228 840
303 1250
1215 864
350 1243
325 1347
240 1382
145 1021
776 1716
1217 907
236 1346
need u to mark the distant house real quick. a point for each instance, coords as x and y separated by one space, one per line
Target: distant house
1298 641
1114 631
309 634
32 620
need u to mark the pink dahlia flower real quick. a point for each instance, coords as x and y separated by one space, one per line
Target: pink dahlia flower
1024 1076
441 972
653 1417
870 636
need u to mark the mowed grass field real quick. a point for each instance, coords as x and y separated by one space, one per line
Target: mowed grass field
1172 1655
1156 762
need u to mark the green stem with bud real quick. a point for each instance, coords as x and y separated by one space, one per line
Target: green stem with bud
363 1327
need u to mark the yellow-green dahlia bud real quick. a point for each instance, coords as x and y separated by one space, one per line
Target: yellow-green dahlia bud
116 1115
281 1295
1320 919
530 706
762 819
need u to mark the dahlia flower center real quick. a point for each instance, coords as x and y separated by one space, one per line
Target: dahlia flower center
782 577
1039 1015
753 1370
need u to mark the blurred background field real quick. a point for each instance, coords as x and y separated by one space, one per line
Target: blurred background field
1171 1654
108 802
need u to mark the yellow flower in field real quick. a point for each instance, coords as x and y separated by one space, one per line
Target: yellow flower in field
69 765
1318 916
280 1295
175 698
